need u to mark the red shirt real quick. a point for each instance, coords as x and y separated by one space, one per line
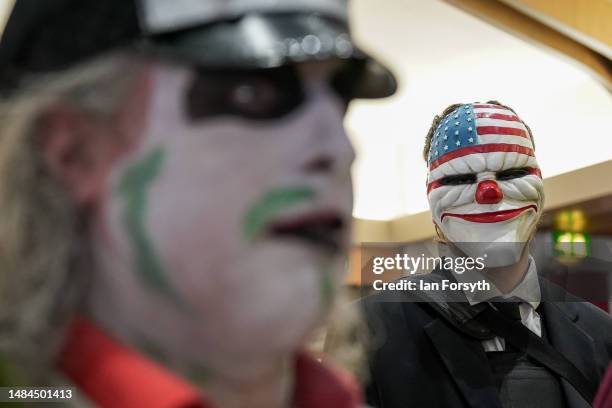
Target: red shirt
112 375
604 395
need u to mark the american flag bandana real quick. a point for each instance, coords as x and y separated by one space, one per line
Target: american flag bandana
477 129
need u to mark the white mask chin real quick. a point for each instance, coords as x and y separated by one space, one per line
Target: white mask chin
501 243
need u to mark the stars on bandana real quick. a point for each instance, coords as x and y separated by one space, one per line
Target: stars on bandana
463 133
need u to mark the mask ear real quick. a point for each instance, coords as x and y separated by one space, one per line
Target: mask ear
440 238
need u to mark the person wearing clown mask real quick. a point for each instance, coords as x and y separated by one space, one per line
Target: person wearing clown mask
176 198
518 342
485 187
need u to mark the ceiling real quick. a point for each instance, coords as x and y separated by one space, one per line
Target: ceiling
442 56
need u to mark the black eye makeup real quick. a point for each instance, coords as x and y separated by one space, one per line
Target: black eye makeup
264 94
512 173
259 95
458 179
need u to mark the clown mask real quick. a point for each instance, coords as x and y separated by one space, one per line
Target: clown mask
484 185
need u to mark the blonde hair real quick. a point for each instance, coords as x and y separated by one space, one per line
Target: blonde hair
348 338
41 232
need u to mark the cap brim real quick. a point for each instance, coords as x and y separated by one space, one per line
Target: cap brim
258 41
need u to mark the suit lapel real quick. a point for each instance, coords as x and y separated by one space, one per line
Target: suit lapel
576 345
466 361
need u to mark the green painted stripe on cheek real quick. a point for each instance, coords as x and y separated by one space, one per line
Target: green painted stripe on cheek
133 187
272 203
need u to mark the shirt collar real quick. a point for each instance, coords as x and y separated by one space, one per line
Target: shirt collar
112 375
528 290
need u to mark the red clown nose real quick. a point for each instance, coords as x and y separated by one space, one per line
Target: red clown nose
488 192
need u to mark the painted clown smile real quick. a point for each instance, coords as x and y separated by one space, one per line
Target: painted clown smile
494 216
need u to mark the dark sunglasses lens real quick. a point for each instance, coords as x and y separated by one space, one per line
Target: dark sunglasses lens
258 95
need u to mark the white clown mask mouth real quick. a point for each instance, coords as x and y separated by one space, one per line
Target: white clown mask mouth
484 184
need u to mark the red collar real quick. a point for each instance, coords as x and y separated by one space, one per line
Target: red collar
112 375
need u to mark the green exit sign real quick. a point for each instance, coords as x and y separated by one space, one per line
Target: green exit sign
571 244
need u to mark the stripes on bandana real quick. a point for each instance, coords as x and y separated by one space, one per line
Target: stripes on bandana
483 148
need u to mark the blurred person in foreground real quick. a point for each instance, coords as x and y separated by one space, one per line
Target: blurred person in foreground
522 342
175 198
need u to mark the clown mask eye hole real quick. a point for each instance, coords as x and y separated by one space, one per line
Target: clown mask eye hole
458 179
512 174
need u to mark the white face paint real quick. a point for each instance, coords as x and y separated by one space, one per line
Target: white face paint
203 240
484 184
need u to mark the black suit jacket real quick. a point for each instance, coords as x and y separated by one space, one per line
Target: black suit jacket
418 358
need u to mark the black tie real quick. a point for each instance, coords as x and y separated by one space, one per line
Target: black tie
509 308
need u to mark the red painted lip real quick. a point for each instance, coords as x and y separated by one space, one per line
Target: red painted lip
320 228
331 219
495 216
